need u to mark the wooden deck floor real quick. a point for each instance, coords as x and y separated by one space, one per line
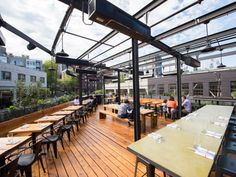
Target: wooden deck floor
98 149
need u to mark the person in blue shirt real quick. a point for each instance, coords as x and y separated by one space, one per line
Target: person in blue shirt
122 112
187 105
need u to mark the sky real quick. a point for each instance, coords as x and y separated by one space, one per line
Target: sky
41 20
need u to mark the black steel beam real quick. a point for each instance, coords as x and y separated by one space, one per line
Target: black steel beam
138 15
136 101
22 35
71 61
181 10
81 88
83 71
209 16
179 92
109 77
2 39
197 43
62 27
118 75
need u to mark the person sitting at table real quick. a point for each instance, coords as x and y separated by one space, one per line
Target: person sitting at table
76 101
171 105
116 99
164 107
124 107
187 106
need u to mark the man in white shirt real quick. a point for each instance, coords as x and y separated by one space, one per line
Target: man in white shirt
187 106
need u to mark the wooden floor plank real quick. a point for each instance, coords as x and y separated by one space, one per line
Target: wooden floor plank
98 149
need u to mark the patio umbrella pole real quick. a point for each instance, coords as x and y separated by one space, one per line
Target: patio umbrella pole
136 110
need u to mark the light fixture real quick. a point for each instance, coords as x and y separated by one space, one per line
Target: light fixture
221 65
31 46
62 52
208 47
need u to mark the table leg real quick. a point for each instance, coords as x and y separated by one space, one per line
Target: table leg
143 123
2 161
51 129
150 171
34 140
153 121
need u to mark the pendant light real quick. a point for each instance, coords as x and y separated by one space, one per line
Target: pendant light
208 47
62 52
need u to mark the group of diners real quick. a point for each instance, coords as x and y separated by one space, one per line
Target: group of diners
170 107
25 145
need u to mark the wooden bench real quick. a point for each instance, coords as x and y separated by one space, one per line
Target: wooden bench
103 114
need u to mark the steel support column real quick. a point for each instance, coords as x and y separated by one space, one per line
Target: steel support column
87 87
80 89
118 87
104 89
179 97
136 111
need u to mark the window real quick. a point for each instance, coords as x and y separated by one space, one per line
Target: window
5 75
233 86
172 89
32 78
185 89
160 89
213 88
198 88
21 77
42 80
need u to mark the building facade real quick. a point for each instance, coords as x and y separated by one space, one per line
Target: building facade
13 68
214 83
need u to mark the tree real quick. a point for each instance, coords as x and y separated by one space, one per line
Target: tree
48 66
68 84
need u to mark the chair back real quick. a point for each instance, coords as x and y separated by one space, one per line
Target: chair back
9 169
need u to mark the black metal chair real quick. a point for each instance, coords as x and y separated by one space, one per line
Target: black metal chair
75 120
67 128
229 147
10 169
225 165
26 161
49 139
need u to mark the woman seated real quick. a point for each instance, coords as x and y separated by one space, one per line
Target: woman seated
122 112
171 104
76 101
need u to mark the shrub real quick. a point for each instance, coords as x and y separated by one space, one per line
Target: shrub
12 108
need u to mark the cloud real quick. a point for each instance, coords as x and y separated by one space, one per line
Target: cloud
41 20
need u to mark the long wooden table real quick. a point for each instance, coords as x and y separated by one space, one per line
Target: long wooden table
175 154
10 144
144 112
34 129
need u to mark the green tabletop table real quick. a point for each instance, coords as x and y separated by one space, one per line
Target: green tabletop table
175 152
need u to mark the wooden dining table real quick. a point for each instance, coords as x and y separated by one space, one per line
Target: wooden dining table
72 108
176 151
62 112
10 144
34 129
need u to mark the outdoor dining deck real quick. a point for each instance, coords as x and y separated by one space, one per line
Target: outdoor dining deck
98 149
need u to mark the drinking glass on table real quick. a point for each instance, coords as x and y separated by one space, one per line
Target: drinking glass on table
10 138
